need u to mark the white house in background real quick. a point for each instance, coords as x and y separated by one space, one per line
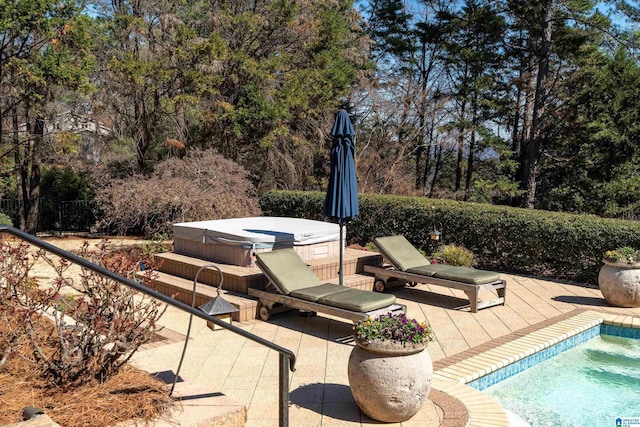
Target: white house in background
93 131
69 121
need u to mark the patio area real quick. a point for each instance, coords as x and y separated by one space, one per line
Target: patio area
244 373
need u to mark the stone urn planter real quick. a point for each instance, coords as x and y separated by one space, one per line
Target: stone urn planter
619 283
390 381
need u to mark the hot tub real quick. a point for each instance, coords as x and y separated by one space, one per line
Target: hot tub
236 240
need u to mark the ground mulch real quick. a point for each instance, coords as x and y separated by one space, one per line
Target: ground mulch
131 394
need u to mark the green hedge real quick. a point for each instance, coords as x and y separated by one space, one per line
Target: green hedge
541 243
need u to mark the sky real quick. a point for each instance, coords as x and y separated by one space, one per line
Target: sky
604 7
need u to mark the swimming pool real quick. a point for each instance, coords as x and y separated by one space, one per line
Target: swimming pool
462 375
591 384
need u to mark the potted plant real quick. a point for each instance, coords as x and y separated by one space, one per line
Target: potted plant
390 372
619 277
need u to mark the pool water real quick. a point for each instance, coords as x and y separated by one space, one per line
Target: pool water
591 384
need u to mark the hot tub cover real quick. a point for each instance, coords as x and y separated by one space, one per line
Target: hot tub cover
260 231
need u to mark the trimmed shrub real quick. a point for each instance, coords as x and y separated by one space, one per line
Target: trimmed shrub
455 255
503 238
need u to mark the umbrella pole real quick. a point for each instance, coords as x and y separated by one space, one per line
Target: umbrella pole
340 275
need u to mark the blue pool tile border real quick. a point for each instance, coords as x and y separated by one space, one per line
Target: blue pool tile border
619 331
529 361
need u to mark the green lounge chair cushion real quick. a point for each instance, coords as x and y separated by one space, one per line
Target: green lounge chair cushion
456 274
427 270
400 252
316 292
287 270
358 300
292 276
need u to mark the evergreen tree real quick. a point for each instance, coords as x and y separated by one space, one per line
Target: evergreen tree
45 49
473 58
594 167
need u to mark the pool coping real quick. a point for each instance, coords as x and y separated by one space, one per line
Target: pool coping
452 374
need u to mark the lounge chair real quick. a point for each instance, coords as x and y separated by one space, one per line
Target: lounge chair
295 285
409 266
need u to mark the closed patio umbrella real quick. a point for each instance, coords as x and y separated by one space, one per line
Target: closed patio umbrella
341 202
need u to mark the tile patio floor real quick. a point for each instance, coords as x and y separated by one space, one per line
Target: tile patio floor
247 373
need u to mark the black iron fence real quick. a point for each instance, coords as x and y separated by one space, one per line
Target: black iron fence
76 216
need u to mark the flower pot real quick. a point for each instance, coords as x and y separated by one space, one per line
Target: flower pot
390 382
620 284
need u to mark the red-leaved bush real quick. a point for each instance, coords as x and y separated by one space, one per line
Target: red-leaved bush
201 186
93 331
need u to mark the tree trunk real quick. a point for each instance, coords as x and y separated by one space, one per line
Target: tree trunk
37 141
532 159
421 142
516 142
438 162
142 131
17 159
425 72
24 171
461 129
430 148
472 147
527 115
406 112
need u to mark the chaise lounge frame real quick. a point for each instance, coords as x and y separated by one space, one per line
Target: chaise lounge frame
390 271
274 299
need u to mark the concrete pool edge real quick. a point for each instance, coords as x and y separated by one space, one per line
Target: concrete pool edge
452 374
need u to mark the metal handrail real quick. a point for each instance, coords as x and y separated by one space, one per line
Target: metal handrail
287 357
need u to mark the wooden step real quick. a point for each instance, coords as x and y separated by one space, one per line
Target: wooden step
199 407
248 307
358 281
207 409
235 278
182 290
354 261
39 421
239 279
